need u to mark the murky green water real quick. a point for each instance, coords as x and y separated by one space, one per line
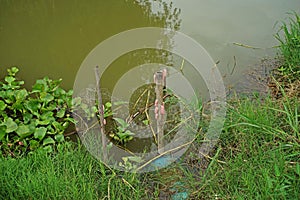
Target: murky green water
53 37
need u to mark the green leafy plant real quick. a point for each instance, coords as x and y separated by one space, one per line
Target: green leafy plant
122 135
32 119
92 111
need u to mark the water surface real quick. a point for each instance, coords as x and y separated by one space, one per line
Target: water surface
53 37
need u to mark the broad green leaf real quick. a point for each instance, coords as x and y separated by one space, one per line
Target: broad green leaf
33 106
27 117
108 105
61 113
48 140
18 105
32 126
40 86
60 102
46 118
46 115
10 79
59 137
128 132
40 133
46 97
50 107
57 126
121 129
37 88
50 129
59 91
21 94
9 97
2 93
122 122
125 134
46 121
23 130
2 105
10 125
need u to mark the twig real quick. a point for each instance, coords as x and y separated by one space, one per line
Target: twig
108 188
134 106
126 182
148 118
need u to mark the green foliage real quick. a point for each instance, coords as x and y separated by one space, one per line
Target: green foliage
289 38
107 110
32 119
122 135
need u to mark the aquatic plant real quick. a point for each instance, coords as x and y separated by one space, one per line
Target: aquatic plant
31 119
122 135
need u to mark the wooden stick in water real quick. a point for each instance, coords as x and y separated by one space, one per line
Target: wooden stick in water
101 114
160 83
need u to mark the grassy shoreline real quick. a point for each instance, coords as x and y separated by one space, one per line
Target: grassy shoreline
257 157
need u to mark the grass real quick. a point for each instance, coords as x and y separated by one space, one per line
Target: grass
261 148
257 157
289 38
69 174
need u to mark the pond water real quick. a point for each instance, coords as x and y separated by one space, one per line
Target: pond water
53 37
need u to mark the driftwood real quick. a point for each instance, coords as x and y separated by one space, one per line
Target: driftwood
101 114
